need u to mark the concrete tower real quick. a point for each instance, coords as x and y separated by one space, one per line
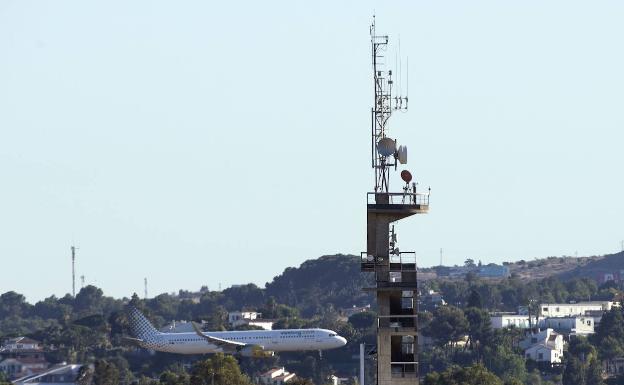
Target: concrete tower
395 271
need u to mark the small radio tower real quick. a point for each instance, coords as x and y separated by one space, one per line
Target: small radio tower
73 256
441 253
145 283
82 280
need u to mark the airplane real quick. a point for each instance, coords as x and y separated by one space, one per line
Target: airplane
246 343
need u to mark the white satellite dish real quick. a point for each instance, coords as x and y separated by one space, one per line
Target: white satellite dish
402 154
386 146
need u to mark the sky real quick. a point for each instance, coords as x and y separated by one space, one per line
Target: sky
216 143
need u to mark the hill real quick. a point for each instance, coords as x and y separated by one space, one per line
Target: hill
333 280
599 267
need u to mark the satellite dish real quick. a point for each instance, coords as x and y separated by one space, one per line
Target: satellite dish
386 146
406 176
402 154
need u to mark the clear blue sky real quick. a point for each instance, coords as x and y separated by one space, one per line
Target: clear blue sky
197 143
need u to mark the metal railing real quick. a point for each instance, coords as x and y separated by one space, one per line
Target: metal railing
397 321
404 369
404 260
400 198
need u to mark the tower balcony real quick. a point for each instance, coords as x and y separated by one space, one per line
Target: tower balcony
401 203
396 264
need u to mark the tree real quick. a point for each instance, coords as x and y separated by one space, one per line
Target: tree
479 328
12 303
502 361
105 373
218 370
472 375
593 375
363 320
3 379
89 300
474 299
573 372
170 378
448 325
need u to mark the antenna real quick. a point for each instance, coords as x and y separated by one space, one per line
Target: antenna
145 283
441 251
82 280
383 105
73 257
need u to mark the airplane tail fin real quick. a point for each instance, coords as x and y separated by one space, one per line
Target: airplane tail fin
140 327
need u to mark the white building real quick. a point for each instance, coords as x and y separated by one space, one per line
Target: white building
545 346
500 321
336 380
576 326
275 376
251 318
574 309
24 366
20 344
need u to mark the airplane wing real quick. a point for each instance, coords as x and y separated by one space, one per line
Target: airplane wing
223 343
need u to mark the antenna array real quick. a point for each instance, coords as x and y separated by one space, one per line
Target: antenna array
382 147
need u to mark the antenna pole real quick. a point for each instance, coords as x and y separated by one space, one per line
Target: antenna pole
441 256
73 257
145 283
383 105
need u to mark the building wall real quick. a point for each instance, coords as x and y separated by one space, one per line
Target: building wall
573 309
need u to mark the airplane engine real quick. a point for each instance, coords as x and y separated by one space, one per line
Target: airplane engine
255 352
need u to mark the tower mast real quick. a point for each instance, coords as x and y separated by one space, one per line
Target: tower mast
396 287
73 257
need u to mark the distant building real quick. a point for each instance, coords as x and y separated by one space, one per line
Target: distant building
251 318
59 374
614 367
349 311
545 347
341 380
574 309
20 367
501 321
491 270
574 326
275 376
22 356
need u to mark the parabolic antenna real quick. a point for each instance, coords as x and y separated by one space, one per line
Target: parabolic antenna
402 154
406 176
386 146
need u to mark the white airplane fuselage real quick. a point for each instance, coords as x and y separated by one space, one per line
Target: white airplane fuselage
269 340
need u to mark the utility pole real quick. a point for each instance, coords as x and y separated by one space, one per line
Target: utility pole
82 280
362 346
73 257
441 251
145 283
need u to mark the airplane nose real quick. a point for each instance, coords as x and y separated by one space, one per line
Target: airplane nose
343 341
